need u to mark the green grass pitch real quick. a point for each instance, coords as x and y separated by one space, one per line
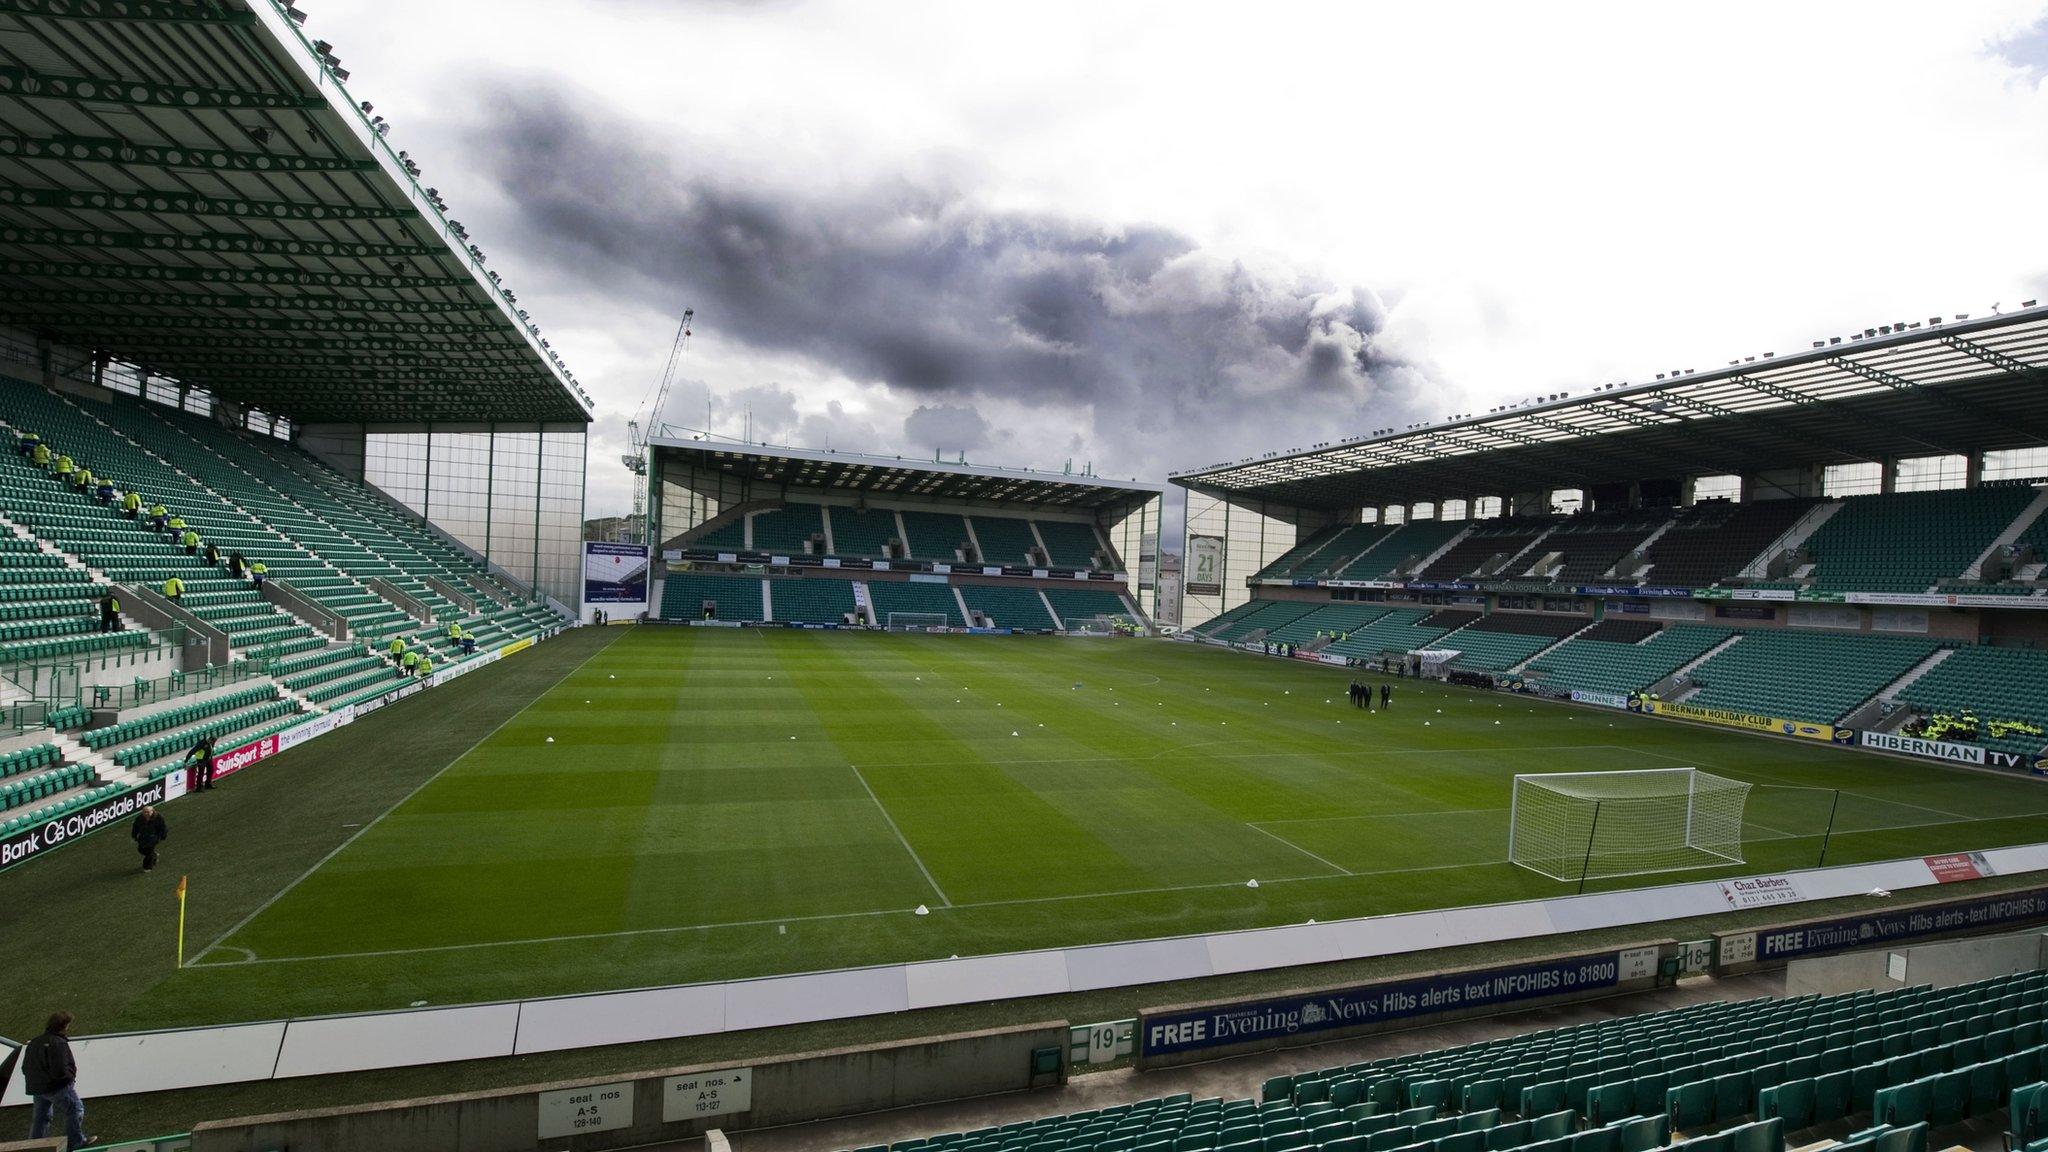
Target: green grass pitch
721 803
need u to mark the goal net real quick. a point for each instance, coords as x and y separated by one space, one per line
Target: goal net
914 621
1569 825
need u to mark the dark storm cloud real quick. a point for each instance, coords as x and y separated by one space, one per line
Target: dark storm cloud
946 427
1171 354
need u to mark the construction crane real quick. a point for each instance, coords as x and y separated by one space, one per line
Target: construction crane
636 438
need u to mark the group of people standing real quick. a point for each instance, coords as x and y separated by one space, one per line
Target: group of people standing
68 472
1361 695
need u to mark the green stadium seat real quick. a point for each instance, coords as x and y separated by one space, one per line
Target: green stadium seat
1690 1105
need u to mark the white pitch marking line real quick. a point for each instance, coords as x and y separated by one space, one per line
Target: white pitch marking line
1303 851
900 838
322 862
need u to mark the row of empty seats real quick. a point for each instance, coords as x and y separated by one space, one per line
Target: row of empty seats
1721 1076
693 595
801 528
1891 542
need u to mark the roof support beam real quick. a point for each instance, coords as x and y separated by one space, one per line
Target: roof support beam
133 342
92 326
299 358
193 204
219 243
1853 413
108 150
306 303
128 11
1899 383
1746 419
16 81
265 276
1991 356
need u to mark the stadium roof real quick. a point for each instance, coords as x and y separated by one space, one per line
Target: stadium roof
186 185
1926 388
854 472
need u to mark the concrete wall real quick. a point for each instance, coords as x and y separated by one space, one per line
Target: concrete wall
1942 965
785 1090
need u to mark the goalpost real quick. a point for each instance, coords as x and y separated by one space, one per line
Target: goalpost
1579 825
915 621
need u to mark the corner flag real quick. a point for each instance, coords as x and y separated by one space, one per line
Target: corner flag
182 880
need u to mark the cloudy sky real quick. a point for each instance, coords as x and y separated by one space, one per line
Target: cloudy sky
1152 237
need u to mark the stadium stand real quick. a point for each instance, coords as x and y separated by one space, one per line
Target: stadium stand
1592 544
1217 624
1714 540
1408 543
1271 615
1069 544
914 596
1341 550
1487 542
1606 659
1008 606
795 529
862 532
1075 604
1005 540
1909 541
1998 684
1501 640
1329 620
729 536
812 599
1305 548
934 535
684 596
1401 630
1803 675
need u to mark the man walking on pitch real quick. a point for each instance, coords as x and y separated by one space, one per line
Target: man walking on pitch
50 1074
149 830
1386 695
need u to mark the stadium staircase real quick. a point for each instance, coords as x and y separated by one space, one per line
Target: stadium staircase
1880 1070
1614 658
1776 556
2028 525
1910 541
1407 546
1008 606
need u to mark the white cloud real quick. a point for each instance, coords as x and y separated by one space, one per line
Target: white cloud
1546 197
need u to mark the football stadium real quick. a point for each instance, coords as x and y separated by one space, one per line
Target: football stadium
1655 765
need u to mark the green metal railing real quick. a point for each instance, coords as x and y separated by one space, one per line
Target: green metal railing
172 687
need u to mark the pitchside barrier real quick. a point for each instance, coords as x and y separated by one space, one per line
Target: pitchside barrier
125 1063
637 1109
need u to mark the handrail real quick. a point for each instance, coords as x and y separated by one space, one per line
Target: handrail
405 601
171 687
296 603
157 611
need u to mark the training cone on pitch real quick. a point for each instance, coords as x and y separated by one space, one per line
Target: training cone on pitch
1251 883
923 911
551 739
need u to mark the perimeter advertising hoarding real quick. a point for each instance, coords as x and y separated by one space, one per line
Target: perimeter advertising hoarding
614 573
65 827
1875 929
1279 1018
1744 720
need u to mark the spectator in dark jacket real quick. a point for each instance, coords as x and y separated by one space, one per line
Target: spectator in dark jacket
149 831
51 1077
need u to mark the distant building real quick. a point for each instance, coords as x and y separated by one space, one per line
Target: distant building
617 529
